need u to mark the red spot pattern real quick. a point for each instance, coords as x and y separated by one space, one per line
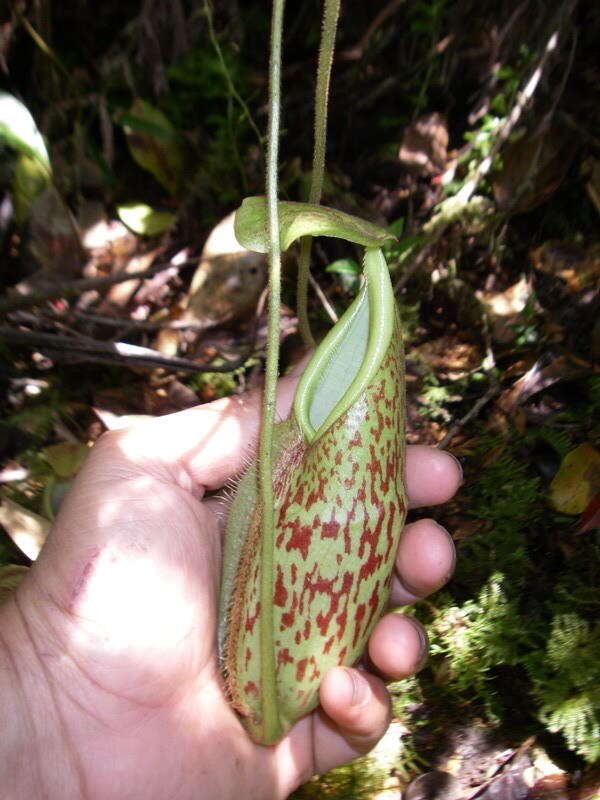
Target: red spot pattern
301 669
280 594
288 617
251 619
284 657
350 481
300 539
338 524
329 530
318 493
356 440
360 613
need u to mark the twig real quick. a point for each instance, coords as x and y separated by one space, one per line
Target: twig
131 355
489 364
329 309
560 91
369 99
513 755
526 181
523 99
73 288
418 260
225 72
473 412
494 62
115 322
356 52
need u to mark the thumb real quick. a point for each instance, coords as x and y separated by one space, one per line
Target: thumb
202 447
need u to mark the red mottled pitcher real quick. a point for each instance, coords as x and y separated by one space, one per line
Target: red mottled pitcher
340 507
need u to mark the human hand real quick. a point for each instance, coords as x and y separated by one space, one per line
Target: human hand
111 679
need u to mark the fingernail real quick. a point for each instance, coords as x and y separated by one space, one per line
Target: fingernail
450 572
459 465
423 644
360 688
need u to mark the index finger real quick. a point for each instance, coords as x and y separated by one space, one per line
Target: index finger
432 475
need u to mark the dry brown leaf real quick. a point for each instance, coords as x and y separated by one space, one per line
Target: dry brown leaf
466 528
27 529
228 281
538 378
591 169
434 784
578 267
110 242
55 242
425 144
450 356
121 293
577 481
533 167
589 786
590 518
550 787
505 309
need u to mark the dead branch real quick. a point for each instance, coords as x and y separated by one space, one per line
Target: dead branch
329 309
356 52
130 355
522 101
471 414
74 288
126 323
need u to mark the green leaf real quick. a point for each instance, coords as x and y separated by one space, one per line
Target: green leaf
65 458
396 227
302 219
152 142
18 129
144 220
31 178
11 576
349 272
344 266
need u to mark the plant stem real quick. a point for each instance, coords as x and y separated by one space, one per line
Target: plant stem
331 14
268 688
226 74
232 93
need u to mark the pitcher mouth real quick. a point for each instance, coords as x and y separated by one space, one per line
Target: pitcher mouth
344 363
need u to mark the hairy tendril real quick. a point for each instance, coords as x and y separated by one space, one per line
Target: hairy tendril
269 703
331 14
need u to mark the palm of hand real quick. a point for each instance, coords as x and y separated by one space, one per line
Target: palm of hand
138 634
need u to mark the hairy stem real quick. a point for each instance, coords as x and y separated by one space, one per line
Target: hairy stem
331 14
268 689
